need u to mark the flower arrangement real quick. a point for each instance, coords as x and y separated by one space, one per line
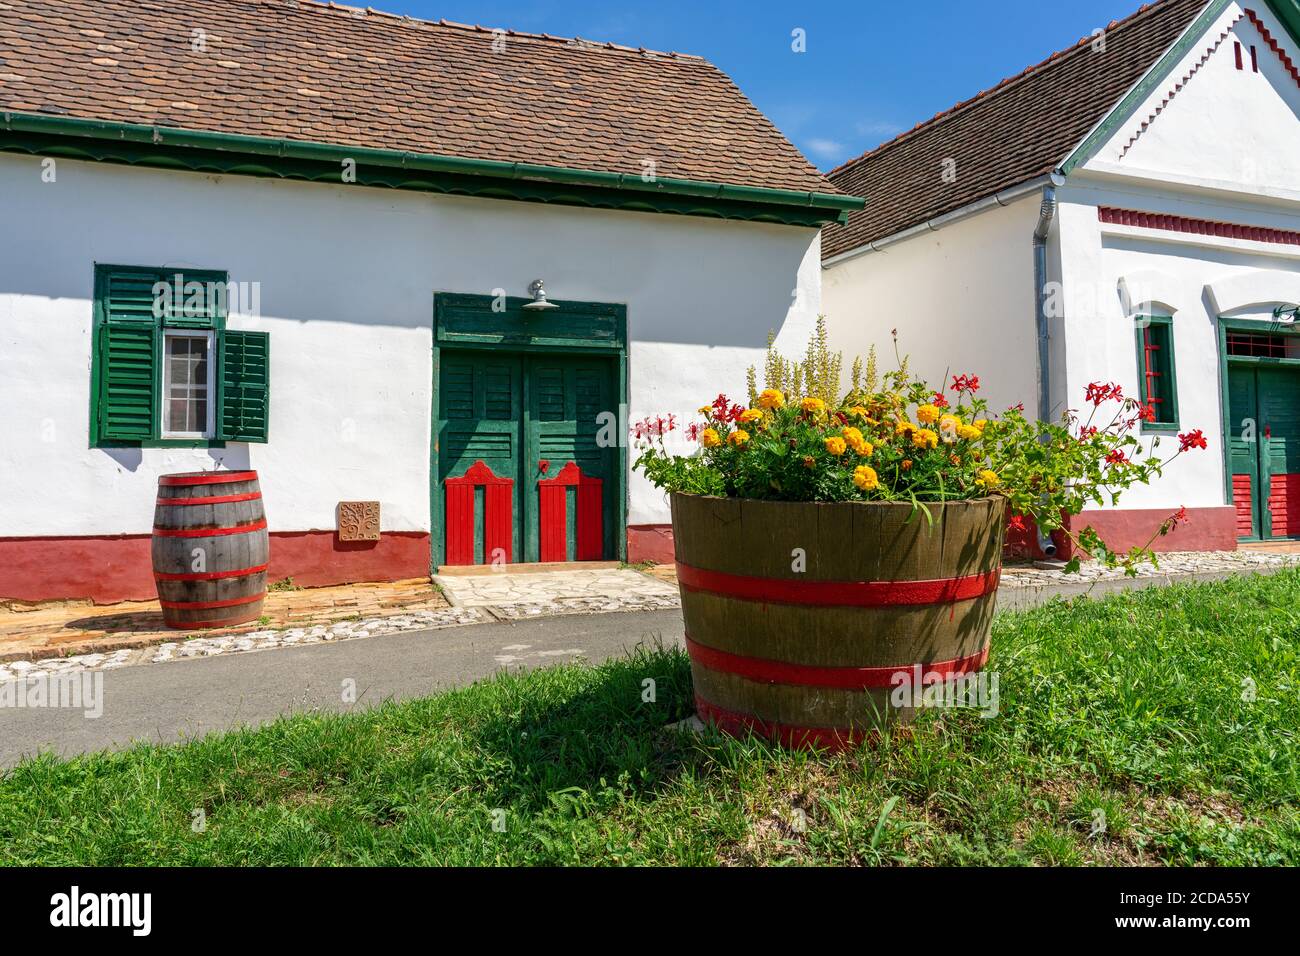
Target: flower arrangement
895 438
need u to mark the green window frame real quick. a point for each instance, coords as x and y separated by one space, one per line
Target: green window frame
135 309
1157 371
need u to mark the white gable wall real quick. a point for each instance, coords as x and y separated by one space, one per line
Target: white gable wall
1210 125
961 298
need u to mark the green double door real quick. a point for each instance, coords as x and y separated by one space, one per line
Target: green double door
507 424
1264 446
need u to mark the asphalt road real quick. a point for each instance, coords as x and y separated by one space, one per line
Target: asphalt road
188 699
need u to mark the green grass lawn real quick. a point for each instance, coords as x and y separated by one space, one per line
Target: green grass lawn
1139 706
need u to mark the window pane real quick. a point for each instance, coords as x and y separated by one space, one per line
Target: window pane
186 410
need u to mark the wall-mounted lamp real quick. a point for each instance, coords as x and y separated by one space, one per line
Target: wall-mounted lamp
539 303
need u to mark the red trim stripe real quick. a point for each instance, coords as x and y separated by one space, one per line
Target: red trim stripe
214 500
208 532
838 593
806 675
215 478
788 735
1198 227
209 575
206 605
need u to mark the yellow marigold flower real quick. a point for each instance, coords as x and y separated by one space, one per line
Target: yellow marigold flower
859 412
907 464
738 437
929 414
866 478
863 449
987 479
968 432
980 423
851 435
813 406
710 438
904 428
705 409
752 415
835 445
924 438
771 398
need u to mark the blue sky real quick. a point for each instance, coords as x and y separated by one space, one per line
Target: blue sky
871 69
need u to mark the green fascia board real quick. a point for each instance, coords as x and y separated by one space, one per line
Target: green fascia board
205 151
1288 11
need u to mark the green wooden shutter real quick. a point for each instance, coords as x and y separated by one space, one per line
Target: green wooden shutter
243 386
128 382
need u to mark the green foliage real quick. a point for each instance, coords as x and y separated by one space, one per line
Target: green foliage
895 438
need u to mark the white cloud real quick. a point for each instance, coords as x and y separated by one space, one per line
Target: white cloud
826 148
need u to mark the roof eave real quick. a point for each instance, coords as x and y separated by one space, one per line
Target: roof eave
203 150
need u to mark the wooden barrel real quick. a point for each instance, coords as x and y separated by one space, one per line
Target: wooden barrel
210 549
803 619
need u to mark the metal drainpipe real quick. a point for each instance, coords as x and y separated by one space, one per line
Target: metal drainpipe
1046 214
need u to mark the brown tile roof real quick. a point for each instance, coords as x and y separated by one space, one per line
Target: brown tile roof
1024 127
357 77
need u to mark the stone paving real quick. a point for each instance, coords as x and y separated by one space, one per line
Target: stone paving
475 599
1172 565
514 596
29 632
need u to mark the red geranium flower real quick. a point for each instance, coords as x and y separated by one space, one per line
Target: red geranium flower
939 401
966 383
1117 457
1192 439
1098 392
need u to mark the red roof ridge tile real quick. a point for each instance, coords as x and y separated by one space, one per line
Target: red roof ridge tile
1000 86
328 6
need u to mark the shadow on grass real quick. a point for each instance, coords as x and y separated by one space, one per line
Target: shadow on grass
587 729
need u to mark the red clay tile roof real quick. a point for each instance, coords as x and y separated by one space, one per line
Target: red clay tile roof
1024 127
352 77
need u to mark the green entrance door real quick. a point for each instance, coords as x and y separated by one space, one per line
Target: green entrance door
1264 444
521 472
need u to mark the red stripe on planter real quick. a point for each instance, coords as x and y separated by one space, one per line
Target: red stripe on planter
208 575
806 675
208 532
838 593
789 735
206 605
214 500
216 478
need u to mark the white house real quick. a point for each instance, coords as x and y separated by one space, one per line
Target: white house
1126 211
304 239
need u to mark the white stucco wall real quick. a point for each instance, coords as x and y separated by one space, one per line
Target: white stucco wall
347 277
961 297
1113 272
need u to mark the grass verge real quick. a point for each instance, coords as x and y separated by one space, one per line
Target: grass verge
1152 728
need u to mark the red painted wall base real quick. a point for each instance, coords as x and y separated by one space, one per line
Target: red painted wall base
650 542
108 569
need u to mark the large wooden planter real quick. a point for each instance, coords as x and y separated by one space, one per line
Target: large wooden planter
809 657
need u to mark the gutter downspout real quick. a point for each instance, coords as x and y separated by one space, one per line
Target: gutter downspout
1046 216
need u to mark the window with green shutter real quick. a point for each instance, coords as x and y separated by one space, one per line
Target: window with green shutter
1157 378
166 370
